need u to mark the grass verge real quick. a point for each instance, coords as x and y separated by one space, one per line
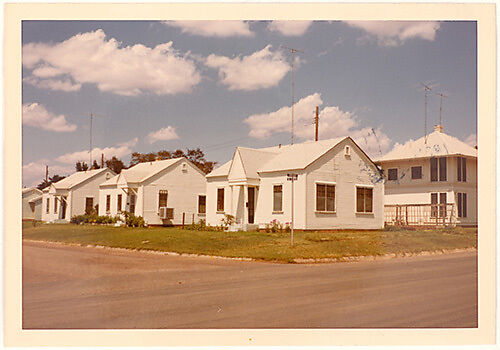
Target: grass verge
259 245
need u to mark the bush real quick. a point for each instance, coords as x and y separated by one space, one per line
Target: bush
93 219
276 226
133 221
202 226
227 221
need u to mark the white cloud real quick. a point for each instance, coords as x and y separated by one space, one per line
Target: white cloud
394 33
221 29
471 140
289 28
37 116
163 134
125 70
261 69
333 123
34 172
53 84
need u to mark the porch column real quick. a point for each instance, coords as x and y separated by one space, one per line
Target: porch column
245 201
231 202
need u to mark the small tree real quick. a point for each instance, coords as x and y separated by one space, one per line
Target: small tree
51 180
115 164
81 166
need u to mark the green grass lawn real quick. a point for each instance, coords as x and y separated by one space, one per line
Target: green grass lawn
258 245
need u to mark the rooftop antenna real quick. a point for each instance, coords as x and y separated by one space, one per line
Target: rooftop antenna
441 95
292 53
92 115
427 88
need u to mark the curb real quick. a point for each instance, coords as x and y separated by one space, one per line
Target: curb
346 259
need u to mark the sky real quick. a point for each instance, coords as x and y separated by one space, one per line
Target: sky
155 85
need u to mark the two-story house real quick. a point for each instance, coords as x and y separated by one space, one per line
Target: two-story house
431 180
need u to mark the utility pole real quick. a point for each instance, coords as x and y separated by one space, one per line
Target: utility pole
316 121
102 160
426 90
46 173
441 95
292 53
292 177
90 150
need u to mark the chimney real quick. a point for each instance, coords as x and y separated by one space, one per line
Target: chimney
438 128
279 146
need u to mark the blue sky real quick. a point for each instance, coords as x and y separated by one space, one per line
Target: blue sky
217 85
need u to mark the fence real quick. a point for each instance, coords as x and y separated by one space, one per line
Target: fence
420 214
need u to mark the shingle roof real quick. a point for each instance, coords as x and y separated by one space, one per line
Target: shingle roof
142 171
223 170
29 189
77 178
279 158
438 144
111 181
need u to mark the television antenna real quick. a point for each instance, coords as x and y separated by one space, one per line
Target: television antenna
441 95
92 115
292 54
427 88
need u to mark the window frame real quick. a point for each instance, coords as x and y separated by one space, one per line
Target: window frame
461 169
366 187
274 199
220 199
119 202
108 203
55 205
389 174
160 194
326 184
199 205
421 172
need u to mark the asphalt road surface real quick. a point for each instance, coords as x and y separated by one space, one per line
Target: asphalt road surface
87 288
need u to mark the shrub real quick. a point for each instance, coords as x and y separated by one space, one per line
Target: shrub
227 221
133 221
92 219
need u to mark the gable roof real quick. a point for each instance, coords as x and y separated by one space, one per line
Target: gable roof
280 158
77 178
112 181
438 144
31 189
143 171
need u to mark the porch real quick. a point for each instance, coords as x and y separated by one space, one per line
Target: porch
434 215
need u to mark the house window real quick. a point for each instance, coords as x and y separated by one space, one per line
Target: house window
438 206
119 203
132 203
55 205
438 169
108 203
277 198
47 207
220 199
89 205
416 172
392 174
202 204
462 205
325 197
347 151
461 169
162 198
364 200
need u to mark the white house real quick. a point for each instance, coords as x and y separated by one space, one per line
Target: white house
32 203
76 194
338 187
163 192
431 180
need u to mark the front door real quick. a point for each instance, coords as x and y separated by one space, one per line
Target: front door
251 204
89 205
63 207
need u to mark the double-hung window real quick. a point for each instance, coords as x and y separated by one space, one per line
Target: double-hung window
364 199
202 204
462 205
119 203
108 203
325 197
277 198
162 198
416 172
392 174
220 199
47 207
461 169
438 169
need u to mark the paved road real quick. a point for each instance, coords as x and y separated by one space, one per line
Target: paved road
77 287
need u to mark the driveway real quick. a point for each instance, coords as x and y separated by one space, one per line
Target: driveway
88 288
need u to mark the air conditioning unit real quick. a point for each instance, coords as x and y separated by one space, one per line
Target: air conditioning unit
166 213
